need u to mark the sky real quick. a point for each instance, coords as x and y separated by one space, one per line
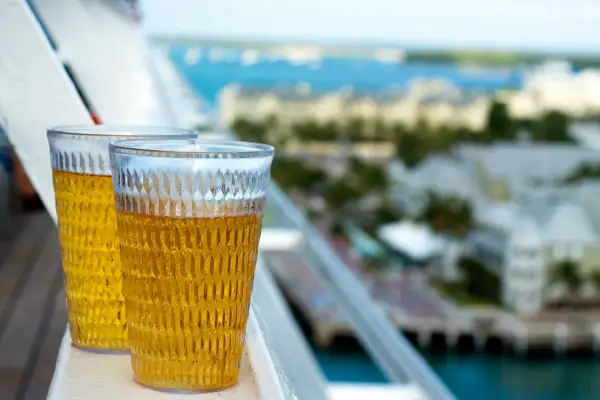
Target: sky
545 25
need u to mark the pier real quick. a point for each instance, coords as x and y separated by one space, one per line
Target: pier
428 320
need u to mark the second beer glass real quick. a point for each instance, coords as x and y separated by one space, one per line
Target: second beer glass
189 216
88 232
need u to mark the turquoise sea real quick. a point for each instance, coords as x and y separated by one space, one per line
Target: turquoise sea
214 69
482 376
470 377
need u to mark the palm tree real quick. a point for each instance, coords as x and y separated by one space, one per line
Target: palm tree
567 272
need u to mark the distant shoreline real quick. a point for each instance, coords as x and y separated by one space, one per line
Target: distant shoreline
408 53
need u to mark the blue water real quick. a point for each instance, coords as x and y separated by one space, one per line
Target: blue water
470 377
208 77
481 376
348 367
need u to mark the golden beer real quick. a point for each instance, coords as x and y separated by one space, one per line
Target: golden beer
189 215
87 226
91 260
188 283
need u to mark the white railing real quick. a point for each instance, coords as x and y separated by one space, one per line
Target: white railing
297 369
396 357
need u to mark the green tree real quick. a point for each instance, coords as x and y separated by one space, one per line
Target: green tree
422 128
499 123
381 131
330 131
412 148
284 172
367 177
306 131
583 172
478 280
249 130
338 194
313 131
356 129
386 214
271 123
291 174
447 214
309 178
552 127
398 131
567 272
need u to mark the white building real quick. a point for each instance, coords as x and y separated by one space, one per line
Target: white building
554 86
434 101
415 241
524 248
523 275
527 221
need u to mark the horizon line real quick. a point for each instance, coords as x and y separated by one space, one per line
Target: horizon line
510 49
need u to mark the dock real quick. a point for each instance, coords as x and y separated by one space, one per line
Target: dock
309 295
32 307
427 319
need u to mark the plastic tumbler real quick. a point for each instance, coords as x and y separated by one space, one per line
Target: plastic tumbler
189 216
88 230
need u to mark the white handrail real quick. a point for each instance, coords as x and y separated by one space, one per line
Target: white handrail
299 375
392 352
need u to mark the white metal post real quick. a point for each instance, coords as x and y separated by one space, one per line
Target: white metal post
97 70
108 55
35 94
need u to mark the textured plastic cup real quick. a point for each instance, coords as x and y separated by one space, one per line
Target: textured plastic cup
85 203
189 216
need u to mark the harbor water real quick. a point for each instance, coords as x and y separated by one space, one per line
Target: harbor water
482 376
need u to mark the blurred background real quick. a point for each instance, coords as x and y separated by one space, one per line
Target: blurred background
443 156
443 149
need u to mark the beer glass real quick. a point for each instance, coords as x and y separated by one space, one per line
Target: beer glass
189 216
88 230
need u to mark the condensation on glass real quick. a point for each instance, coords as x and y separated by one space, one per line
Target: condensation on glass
189 215
87 230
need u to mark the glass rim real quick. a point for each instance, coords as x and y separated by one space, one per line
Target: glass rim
108 131
168 148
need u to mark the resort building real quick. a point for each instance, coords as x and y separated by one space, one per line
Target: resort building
527 220
434 101
550 87
554 86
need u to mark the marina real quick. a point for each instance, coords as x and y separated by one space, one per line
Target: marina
429 321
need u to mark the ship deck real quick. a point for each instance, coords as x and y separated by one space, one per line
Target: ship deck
32 307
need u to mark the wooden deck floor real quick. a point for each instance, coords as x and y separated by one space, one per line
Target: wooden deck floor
32 307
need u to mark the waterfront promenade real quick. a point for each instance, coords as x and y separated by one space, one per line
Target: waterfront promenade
427 319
